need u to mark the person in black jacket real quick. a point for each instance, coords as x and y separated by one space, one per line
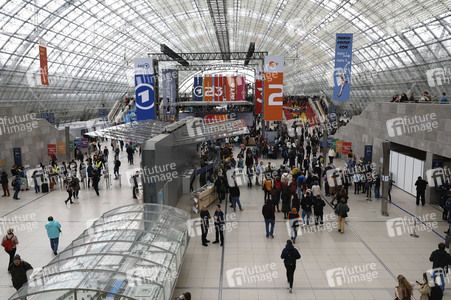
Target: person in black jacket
95 180
219 225
18 271
306 205
289 256
440 260
270 218
235 196
4 182
205 219
421 188
318 205
249 168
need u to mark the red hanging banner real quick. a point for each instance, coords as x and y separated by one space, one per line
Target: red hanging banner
44 68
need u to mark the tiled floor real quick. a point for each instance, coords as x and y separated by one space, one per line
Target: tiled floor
366 245
211 272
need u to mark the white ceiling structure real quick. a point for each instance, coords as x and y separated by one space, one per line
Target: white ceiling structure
91 45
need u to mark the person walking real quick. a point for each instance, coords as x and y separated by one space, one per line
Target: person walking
53 232
421 188
293 220
404 289
117 164
75 183
235 197
268 213
289 256
331 155
306 205
424 288
9 243
205 219
95 181
19 269
69 191
341 211
16 184
219 225
4 182
267 186
90 171
286 201
318 206
440 260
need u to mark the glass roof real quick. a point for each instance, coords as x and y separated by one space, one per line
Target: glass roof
91 45
132 252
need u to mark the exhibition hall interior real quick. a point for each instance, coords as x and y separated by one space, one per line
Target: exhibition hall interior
225 149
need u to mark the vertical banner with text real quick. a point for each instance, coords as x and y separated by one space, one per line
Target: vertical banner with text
44 67
169 91
258 92
144 89
342 71
273 88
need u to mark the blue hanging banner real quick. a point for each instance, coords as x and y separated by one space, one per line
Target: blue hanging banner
198 89
144 89
342 71
17 156
368 153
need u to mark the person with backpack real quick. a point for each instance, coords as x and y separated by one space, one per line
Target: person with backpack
318 206
53 232
16 183
9 243
436 291
289 256
440 260
341 210
19 269
117 164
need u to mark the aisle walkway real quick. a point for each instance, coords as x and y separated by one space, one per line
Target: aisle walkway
214 272
29 215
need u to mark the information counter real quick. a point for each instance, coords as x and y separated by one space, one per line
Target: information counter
206 195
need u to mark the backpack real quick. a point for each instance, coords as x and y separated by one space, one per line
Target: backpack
290 258
8 244
436 293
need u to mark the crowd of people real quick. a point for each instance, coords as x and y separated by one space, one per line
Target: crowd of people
294 188
425 98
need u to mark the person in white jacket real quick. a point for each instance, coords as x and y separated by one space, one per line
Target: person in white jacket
331 155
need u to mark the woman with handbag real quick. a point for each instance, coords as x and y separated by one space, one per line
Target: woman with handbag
341 211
